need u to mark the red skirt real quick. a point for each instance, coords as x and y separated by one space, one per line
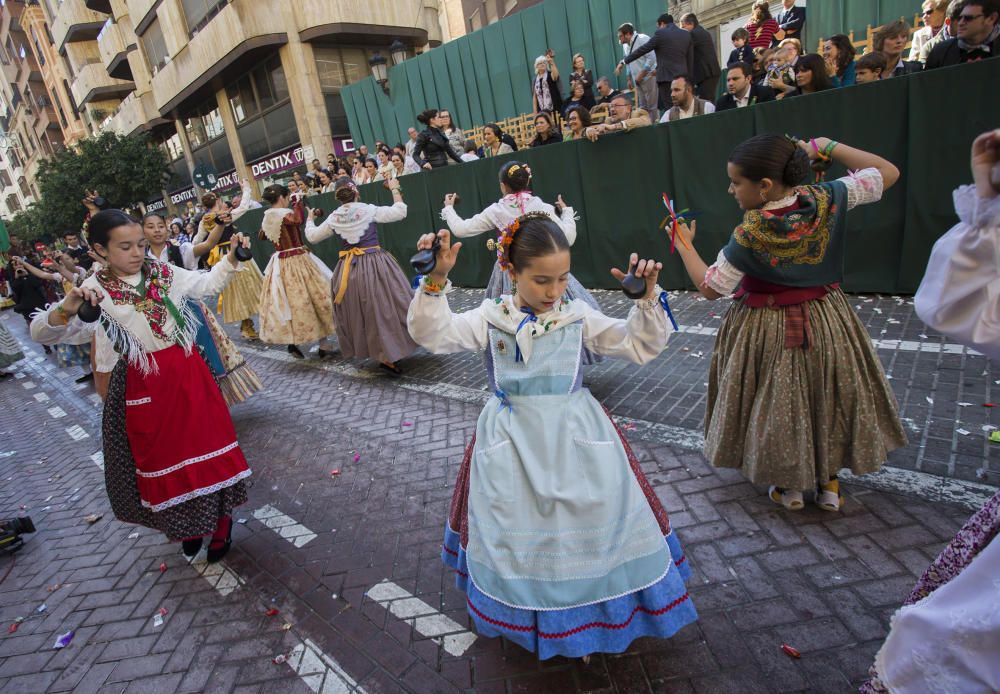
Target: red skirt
180 431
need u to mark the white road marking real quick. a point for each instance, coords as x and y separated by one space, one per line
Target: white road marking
98 459
223 579
77 433
321 673
286 526
418 614
56 412
41 397
28 385
971 495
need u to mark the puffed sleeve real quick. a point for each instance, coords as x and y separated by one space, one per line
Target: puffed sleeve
960 293
319 232
202 284
464 228
567 220
863 187
390 213
639 338
434 327
46 334
722 276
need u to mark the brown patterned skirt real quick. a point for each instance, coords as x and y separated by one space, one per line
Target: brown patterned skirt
793 417
195 518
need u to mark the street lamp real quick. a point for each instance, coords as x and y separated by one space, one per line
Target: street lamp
379 70
398 51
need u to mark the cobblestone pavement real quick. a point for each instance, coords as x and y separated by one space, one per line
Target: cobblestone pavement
349 563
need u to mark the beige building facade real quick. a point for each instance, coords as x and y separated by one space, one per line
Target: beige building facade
236 88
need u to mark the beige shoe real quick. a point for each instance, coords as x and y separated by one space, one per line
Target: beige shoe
791 500
828 496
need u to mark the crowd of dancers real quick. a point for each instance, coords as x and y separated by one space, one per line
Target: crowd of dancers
554 533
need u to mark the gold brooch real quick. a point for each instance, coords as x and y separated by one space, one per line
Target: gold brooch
492 244
502 347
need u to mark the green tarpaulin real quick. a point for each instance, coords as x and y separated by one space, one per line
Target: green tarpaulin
615 184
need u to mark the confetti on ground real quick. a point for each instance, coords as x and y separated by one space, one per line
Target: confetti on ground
964 404
791 651
54 587
93 518
334 473
929 399
271 612
64 640
407 424
163 567
279 659
41 608
995 436
989 404
963 432
241 521
157 620
286 626
357 457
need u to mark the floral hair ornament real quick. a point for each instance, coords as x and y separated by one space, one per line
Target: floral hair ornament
502 244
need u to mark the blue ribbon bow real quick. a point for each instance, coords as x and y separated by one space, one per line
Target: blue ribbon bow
530 317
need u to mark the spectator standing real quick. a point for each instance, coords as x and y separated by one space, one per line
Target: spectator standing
686 104
933 18
869 68
791 20
456 138
740 89
810 76
546 133
493 146
838 52
623 118
575 98
978 36
581 75
578 120
891 40
674 55
412 142
432 149
642 72
762 27
706 61
545 94
742 52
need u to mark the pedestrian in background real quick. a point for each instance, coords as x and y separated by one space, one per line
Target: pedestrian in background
545 94
584 77
706 60
642 72
674 56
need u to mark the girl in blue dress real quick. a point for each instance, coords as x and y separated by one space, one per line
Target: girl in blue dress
555 535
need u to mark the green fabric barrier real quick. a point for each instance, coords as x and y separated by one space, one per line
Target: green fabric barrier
485 76
615 184
829 17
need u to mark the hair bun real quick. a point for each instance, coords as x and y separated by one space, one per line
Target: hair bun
797 168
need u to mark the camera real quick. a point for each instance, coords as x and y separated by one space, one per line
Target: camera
11 530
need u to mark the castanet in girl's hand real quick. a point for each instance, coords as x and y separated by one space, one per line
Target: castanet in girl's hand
88 313
634 287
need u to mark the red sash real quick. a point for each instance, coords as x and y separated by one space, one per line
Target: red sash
757 293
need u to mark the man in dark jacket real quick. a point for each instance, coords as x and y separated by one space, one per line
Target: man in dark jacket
706 61
741 91
791 20
674 56
978 36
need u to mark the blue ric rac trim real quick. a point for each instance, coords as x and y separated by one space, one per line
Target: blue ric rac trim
660 610
666 307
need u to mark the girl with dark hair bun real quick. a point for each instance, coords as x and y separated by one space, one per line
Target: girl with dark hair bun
295 306
818 400
145 336
515 179
554 533
370 291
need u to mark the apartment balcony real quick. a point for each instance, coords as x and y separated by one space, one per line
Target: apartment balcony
142 13
74 21
93 83
115 42
134 114
370 23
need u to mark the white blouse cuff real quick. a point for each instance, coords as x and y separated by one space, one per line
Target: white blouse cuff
723 277
975 210
863 187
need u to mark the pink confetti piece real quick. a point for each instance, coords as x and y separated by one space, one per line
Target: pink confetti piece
407 424
163 567
334 473
357 457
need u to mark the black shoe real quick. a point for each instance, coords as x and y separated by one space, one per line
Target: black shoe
296 352
86 377
48 350
191 547
324 353
391 368
217 549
